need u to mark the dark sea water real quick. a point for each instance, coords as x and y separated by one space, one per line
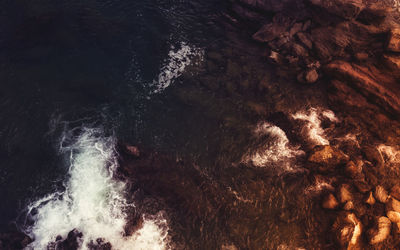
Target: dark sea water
87 62
171 76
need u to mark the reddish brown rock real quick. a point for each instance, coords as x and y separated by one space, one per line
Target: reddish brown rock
330 202
347 9
394 40
395 191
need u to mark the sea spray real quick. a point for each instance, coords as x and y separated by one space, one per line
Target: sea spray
93 202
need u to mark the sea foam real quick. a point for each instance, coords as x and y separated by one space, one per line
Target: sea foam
93 202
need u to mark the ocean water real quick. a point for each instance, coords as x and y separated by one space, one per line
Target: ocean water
77 77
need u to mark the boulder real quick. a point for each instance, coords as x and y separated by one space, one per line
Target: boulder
393 216
327 156
330 202
305 39
347 229
353 170
344 193
311 76
381 194
273 30
395 191
370 200
393 205
382 232
394 40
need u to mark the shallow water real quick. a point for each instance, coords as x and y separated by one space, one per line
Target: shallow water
171 76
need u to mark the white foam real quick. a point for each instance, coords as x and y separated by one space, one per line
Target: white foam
93 201
313 129
174 66
276 151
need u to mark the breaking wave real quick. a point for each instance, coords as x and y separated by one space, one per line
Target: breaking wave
313 119
275 149
93 202
178 59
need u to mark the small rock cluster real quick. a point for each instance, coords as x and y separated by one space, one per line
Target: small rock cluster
367 215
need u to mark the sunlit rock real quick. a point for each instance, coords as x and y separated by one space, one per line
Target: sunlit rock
344 193
370 200
381 194
348 230
330 202
382 232
393 216
394 40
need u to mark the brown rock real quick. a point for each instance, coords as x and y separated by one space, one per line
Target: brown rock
305 39
392 62
348 230
370 200
311 76
364 79
362 186
344 193
133 150
394 40
327 156
348 206
297 27
395 191
393 205
273 30
382 232
330 202
353 170
393 216
381 194
362 56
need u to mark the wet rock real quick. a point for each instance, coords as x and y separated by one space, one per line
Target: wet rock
393 205
311 76
133 150
343 8
348 230
275 57
72 242
394 40
297 27
274 30
395 191
330 202
361 56
299 51
14 240
362 186
382 232
352 170
348 206
392 62
393 216
381 194
370 200
344 193
305 39
380 92
327 157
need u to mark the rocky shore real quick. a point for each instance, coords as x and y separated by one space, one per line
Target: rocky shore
353 48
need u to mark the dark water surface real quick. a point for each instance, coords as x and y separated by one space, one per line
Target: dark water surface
89 62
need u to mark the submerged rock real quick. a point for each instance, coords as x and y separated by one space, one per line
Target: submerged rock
330 202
